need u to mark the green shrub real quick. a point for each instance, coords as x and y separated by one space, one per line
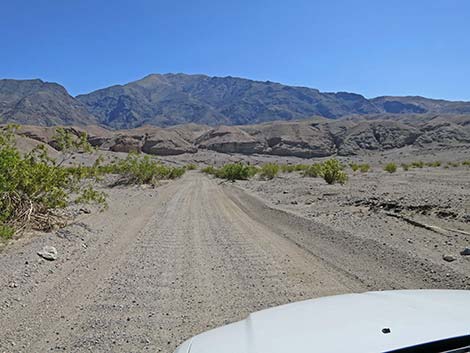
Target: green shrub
287 168
236 171
90 195
390 167
6 231
453 164
364 168
434 164
313 170
68 143
209 170
269 171
190 166
33 185
405 166
300 167
354 166
418 164
466 163
136 169
332 172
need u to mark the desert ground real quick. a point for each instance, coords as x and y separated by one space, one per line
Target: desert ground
163 264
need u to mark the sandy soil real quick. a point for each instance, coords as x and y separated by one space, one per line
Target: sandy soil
161 265
423 212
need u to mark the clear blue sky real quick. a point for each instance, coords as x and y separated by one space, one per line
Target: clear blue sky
372 47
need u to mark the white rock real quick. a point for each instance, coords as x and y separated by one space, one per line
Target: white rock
48 253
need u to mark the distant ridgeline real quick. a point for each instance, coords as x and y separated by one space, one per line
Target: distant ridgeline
172 99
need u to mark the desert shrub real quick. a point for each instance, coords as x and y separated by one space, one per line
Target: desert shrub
209 170
190 166
6 231
68 143
418 164
364 168
236 171
434 164
354 166
300 167
332 172
287 168
136 169
90 195
390 167
466 163
453 164
405 166
313 170
32 186
269 171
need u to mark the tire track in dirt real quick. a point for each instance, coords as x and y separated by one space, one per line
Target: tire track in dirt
192 256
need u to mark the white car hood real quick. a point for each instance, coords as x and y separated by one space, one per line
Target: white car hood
350 323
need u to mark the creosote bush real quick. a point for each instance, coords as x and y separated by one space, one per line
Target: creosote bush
232 171
332 172
363 168
269 171
354 166
236 171
313 170
209 170
418 164
136 169
289 168
434 164
390 167
6 231
33 185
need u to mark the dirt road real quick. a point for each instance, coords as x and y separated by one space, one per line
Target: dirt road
162 265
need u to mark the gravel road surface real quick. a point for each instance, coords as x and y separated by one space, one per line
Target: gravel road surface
161 265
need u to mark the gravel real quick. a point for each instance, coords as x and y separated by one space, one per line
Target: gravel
161 265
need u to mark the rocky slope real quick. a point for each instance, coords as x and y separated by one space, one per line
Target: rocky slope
317 137
174 99
177 98
171 99
420 105
40 103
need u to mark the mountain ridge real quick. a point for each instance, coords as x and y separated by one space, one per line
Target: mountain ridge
173 99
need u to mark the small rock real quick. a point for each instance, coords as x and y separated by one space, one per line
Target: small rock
85 210
465 252
449 258
13 285
48 253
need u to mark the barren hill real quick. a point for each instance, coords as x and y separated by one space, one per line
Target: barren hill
40 103
318 137
175 99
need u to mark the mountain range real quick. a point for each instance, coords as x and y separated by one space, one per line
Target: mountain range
172 99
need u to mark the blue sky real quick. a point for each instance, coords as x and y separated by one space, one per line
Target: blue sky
371 47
